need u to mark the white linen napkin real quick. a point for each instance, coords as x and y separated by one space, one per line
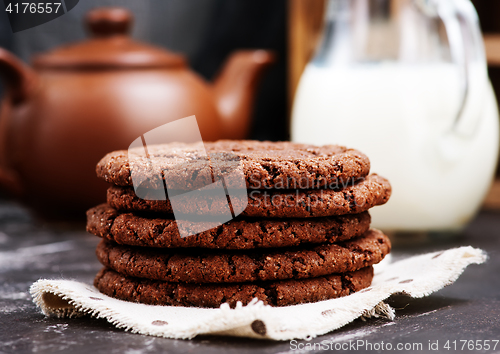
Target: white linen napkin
417 277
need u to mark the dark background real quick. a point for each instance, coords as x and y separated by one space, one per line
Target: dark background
206 31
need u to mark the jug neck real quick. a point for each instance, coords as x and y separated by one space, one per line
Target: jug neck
334 47
361 31
369 31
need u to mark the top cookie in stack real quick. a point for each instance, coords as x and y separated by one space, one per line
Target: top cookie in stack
306 205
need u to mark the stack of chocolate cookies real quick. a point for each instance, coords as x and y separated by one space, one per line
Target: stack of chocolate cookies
302 235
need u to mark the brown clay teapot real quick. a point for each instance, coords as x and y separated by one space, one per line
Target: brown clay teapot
84 100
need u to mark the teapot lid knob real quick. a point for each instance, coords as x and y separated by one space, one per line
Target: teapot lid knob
110 21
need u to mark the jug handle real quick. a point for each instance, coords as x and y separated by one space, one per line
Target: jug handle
467 49
18 77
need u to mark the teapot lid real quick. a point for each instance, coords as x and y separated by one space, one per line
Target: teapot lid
110 46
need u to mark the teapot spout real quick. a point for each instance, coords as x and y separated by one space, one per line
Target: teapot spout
234 90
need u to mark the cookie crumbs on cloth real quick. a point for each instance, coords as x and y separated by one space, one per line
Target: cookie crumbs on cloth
416 276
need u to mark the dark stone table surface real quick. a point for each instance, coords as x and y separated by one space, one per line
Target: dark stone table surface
468 310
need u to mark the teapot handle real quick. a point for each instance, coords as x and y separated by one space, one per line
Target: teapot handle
467 50
19 78
20 81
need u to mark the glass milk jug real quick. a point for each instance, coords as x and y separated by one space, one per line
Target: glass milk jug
406 83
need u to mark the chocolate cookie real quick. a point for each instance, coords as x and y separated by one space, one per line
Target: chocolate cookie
354 198
281 165
278 293
202 266
239 233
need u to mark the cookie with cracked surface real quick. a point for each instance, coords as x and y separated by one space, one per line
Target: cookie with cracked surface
202 266
239 233
264 164
353 198
274 293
